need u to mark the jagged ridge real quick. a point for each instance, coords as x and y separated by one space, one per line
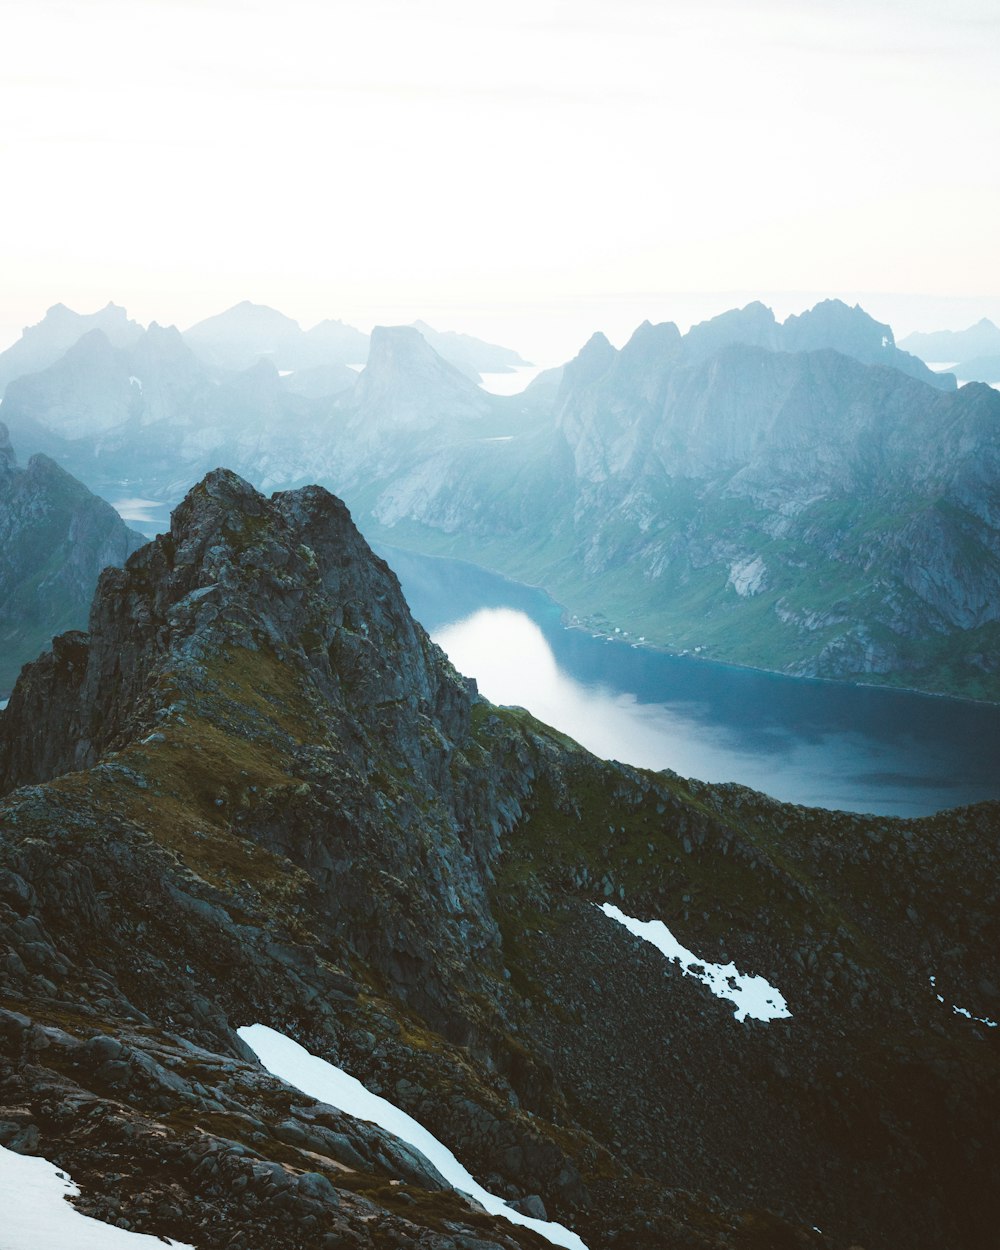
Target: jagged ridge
257 791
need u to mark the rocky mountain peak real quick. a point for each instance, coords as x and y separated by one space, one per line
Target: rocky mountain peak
290 575
94 345
245 315
753 325
165 340
651 346
592 361
832 323
406 383
43 344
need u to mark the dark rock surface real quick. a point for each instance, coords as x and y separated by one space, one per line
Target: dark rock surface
255 791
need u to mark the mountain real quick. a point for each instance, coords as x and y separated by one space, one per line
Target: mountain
798 496
43 344
979 369
237 338
982 339
334 341
240 337
150 419
470 355
407 384
256 793
55 538
830 324
793 510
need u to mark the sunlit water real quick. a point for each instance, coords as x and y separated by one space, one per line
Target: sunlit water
150 516
824 744
512 383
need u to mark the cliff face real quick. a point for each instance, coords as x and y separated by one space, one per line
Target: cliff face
864 500
55 538
255 791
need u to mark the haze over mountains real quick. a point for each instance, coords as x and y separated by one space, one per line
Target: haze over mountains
803 496
972 354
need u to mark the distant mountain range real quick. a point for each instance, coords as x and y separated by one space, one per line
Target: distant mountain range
801 496
316 362
43 344
972 354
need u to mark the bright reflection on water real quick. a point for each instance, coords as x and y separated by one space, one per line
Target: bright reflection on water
512 663
823 744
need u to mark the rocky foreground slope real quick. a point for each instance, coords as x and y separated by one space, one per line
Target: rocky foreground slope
256 792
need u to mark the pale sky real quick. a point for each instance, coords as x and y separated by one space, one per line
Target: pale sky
488 164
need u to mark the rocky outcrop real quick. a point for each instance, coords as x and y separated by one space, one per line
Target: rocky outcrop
255 791
55 538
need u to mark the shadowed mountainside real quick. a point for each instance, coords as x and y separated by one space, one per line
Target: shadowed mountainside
255 791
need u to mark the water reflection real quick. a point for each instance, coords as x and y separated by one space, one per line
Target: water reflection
818 743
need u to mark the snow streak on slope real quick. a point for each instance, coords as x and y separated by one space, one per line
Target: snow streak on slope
34 1213
753 996
964 1011
291 1062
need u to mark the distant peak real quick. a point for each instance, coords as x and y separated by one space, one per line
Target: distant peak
598 342
593 360
395 346
647 335
94 342
395 343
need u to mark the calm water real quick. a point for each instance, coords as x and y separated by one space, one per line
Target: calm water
818 743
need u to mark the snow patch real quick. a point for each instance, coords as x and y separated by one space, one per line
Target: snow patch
36 1216
962 1011
753 996
286 1059
512 382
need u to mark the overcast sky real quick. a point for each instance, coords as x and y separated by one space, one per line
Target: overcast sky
463 161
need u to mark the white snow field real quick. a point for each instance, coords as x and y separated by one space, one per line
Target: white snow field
285 1058
34 1213
753 996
